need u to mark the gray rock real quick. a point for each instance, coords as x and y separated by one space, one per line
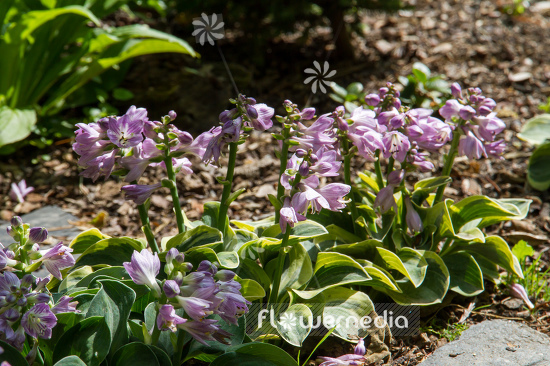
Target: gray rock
52 218
494 343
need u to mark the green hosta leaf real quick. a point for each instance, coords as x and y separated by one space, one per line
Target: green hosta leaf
70 361
430 184
379 276
488 268
296 334
342 234
259 249
15 124
240 238
74 278
334 269
339 90
12 355
297 270
365 249
162 358
113 302
111 251
201 235
90 340
409 262
255 226
255 354
538 172
116 272
250 269
432 290
536 130
470 232
522 250
250 289
370 181
343 304
466 276
225 259
302 230
489 210
135 354
86 239
495 249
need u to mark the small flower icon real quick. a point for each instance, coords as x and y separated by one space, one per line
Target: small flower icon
319 76
287 321
208 28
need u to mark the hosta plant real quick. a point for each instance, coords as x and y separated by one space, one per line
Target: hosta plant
327 249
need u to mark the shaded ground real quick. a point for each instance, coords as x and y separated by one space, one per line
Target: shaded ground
471 42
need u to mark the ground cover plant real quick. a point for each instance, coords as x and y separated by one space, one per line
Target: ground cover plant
166 300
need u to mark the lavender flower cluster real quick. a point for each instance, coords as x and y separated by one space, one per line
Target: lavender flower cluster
127 145
200 293
26 308
25 253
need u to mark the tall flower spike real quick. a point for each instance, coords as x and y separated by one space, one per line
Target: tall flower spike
143 269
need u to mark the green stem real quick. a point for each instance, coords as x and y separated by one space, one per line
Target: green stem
146 225
280 265
347 180
174 193
391 162
224 205
448 165
280 187
179 348
378 170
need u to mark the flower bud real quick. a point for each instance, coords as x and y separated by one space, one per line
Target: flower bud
252 112
171 288
313 159
11 315
385 200
38 234
518 291
396 177
397 103
22 301
300 153
467 113
308 113
250 100
11 232
172 115
27 280
16 221
359 348
225 275
372 99
456 90
413 220
383 91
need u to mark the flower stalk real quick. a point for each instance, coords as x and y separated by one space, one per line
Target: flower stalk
449 161
174 192
227 185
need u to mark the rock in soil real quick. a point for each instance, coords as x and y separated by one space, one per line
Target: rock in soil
494 343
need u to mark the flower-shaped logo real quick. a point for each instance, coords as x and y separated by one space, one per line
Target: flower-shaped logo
320 76
287 321
208 28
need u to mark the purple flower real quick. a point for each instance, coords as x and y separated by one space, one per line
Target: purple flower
143 269
125 131
450 109
100 166
396 145
396 177
219 136
456 90
140 192
195 307
518 291
38 234
384 200
366 140
20 190
495 149
233 306
365 118
39 321
261 121
413 220
359 348
171 288
307 114
9 282
140 159
327 164
372 99
385 117
489 126
471 146
289 215
64 305
205 330
167 318
58 258
467 113
6 258
345 360
419 161
331 197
